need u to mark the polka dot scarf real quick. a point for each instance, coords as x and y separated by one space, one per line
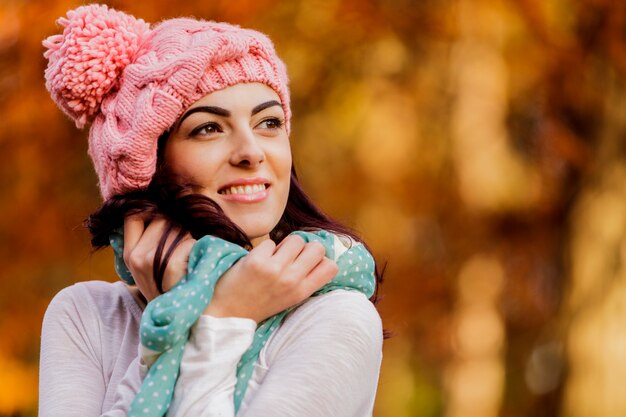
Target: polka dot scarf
166 320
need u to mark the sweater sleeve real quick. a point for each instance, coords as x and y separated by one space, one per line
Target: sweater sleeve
72 376
324 360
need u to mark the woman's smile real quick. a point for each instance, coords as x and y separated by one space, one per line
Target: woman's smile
246 190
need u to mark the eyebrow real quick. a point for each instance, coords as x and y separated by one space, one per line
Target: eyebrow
264 106
204 109
223 112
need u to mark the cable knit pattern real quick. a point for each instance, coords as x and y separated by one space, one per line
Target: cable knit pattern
132 83
167 319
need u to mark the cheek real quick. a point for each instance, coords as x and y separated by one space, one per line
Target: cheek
284 160
285 178
192 166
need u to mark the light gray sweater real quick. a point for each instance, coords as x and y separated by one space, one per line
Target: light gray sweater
323 361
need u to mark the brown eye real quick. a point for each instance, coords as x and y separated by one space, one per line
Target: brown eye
271 123
206 129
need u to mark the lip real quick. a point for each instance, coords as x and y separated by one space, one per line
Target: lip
246 181
247 198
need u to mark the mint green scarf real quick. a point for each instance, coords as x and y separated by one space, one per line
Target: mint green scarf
166 321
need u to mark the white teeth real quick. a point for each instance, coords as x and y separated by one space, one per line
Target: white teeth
244 189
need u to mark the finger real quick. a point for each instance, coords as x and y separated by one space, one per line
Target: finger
133 229
152 233
142 244
177 265
139 254
264 249
321 275
309 258
289 249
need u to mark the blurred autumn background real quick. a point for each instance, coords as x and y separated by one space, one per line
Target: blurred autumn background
478 145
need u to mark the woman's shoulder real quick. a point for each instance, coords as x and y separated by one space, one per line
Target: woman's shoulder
347 307
99 300
339 318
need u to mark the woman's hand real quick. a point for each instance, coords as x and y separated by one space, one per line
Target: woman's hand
140 245
272 278
266 281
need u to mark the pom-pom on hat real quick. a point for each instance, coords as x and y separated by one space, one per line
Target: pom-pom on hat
132 82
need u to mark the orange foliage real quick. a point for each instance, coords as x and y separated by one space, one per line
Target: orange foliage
441 130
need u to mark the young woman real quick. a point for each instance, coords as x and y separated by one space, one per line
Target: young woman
254 302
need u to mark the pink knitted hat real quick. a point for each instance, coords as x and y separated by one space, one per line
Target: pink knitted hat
132 82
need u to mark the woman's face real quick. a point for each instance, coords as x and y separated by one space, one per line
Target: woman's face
233 147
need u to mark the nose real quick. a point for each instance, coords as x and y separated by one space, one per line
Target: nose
247 151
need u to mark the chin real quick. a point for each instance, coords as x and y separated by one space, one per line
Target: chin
255 225
256 231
